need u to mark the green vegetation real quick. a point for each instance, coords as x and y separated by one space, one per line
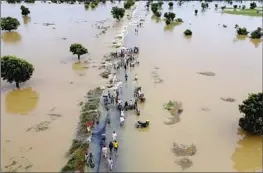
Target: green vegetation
78 49
169 16
117 12
204 5
171 4
247 12
16 70
13 1
235 6
173 107
89 115
128 4
253 5
252 107
155 7
188 32
257 34
24 11
9 23
29 1
241 31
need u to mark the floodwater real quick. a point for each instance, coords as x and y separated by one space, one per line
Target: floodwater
58 85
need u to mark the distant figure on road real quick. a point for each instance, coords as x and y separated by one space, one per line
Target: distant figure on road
115 145
136 77
110 146
114 136
104 151
110 163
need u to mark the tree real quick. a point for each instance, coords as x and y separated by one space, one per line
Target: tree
9 23
29 1
203 5
117 13
78 49
158 14
253 5
154 7
252 107
196 11
257 34
24 11
243 7
169 16
188 32
13 1
171 4
128 4
223 7
216 5
160 3
242 31
235 6
167 22
16 70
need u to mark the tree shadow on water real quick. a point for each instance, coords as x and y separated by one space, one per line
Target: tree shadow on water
80 67
239 38
156 19
26 20
256 42
21 101
11 37
247 156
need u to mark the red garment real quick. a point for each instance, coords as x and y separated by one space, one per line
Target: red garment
88 124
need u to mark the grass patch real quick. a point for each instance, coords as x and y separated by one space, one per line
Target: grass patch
89 114
257 12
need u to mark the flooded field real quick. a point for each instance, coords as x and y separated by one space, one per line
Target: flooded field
51 98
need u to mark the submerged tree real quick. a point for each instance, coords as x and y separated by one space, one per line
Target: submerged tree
128 4
216 6
158 14
154 7
9 23
252 107
13 1
235 6
242 31
24 10
188 32
196 11
16 70
29 1
117 13
171 4
78 49
169 16
257 34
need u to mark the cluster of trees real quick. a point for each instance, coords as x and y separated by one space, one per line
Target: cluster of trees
252 108
117 12
9 23
92 4
24 11
155 7
256 34
169 17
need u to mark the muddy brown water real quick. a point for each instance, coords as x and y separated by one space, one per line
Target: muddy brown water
58 85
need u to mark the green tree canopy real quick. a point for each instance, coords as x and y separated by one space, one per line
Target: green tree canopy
29 1
9 23
16 70
171 4
128 4
117 12
78 49
169 16
24 10
252 108
188 32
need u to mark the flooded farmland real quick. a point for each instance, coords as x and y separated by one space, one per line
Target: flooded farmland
42 117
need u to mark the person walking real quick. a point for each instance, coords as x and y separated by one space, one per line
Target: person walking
114 136
104 151
110 163
110 146
115 146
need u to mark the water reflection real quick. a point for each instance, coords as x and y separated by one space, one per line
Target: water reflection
26 20
239 38
248 154
79 68
11 37
256 42
21 101
156 19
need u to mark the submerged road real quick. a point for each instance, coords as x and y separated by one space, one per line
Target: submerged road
103 127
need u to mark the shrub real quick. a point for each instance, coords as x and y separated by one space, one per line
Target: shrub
188 32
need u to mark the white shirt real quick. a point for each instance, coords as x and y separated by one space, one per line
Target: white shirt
105 150
114 136
121 119
122 114
110 162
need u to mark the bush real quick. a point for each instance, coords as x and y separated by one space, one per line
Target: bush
171 4
117 12
169 16
16 70
78 49
252 107
235 6
29 1
158 14
188 32
242 31
257 34
9 23
24 11
167 22
253 5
